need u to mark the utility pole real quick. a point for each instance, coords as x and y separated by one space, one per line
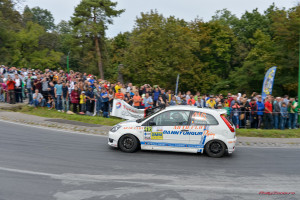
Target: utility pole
68 58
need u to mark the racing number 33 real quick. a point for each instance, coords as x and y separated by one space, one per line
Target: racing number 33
199 115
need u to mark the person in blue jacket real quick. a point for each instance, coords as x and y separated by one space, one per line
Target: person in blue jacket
156 94
260 111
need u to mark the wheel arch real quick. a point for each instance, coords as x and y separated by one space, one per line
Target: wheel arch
220 138
125 134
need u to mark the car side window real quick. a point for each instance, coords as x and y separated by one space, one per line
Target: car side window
201 118
171 118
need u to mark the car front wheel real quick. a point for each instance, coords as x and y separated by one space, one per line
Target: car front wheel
128 143
215 148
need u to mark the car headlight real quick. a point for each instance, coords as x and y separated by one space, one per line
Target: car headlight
115 128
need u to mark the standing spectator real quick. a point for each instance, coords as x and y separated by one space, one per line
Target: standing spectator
277 112
45 86
211 103
187 96
142 90
293 111
164 96
245 108
105 100
18 89
268 113
119 95
98 98
29 87
75 99
160 101
55 78
123 89
173 101
129 87
286 100
118 87
38 83
2 92
38 99
82 103
197 96
178 98
199 102
183 101
253 113
111 99
235 114
58 94
90 101
156 94
283 115
11 90
148 101
137 100
191 101
169 95
22 77
65 97
260 111
128 99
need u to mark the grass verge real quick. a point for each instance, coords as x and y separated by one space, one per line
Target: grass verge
274 133
43 112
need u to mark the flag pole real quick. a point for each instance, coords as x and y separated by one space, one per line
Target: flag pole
299 81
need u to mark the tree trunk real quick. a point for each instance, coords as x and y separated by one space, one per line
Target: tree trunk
99 59
98 51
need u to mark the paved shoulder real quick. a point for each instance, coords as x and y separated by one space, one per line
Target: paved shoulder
54 123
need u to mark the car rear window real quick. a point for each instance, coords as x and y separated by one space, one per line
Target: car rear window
201 118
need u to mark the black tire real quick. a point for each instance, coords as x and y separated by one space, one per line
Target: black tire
215 148
128 143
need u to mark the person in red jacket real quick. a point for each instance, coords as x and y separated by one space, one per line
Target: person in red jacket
75 96
11 90
268 113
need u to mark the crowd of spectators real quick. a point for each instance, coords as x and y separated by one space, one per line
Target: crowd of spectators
86 95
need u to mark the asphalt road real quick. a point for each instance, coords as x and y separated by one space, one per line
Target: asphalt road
41 164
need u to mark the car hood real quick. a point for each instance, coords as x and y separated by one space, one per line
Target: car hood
131 122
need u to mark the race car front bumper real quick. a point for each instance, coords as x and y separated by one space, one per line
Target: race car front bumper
113 139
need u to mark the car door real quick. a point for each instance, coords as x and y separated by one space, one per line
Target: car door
168 129
205 125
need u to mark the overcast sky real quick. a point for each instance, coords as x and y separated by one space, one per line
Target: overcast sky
185 9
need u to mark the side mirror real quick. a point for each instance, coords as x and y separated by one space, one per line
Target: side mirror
152 124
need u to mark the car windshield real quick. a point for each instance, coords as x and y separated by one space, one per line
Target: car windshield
150 112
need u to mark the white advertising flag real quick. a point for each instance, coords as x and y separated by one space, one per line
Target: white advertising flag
123 110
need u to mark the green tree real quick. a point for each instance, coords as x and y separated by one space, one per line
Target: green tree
250 76
90 20
159 49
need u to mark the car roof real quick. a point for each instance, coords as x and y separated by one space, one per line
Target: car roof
194 108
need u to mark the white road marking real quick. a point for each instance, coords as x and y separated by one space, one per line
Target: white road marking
47 128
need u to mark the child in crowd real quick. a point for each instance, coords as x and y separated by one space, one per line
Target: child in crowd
82 103
50 103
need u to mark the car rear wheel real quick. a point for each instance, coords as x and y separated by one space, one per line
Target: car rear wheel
128 143
215 148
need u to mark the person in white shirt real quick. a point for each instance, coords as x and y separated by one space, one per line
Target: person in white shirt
38 99
18 89
129 87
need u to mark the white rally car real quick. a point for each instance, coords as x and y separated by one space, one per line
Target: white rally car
177 128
